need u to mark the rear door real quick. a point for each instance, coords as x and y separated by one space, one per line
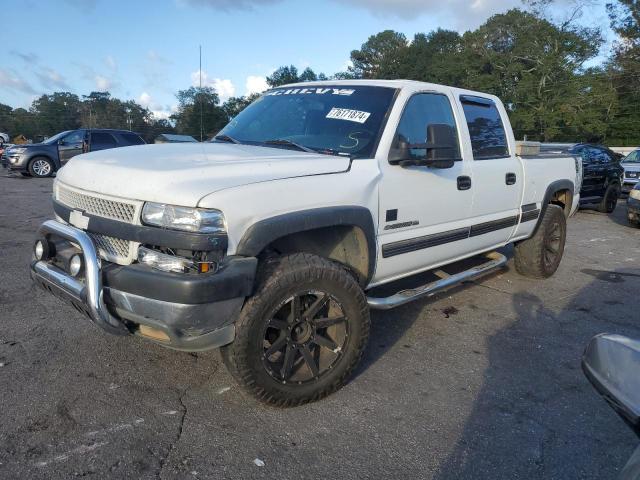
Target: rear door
595 162
498 178
102 141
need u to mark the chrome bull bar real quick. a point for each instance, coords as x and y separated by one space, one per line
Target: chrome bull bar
89 294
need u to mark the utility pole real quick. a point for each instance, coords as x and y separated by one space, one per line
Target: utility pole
200 96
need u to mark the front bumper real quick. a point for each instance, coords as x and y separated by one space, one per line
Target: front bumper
629 184
16 163
190 312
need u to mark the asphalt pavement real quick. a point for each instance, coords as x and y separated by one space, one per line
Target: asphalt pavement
482 382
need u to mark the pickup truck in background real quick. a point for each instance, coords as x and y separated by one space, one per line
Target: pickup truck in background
631 165
43 159
269 241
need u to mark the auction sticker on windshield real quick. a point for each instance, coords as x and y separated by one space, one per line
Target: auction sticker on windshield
347 114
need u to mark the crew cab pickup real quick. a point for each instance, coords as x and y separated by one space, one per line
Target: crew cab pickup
269 241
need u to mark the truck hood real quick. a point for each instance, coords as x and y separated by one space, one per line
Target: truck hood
182 174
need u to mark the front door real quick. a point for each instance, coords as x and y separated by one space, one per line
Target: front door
424 212
71 145
498 176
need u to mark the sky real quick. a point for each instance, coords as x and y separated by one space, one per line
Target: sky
148 50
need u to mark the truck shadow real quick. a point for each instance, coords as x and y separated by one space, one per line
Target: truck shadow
389 327
536 416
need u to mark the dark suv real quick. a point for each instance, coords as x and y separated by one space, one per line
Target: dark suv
602 178
42 159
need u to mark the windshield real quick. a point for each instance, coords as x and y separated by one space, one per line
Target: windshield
339 120
56 137
633 157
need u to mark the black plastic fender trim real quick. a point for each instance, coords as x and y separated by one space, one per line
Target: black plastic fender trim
264 232
554 187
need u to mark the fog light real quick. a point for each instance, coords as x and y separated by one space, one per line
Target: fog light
38 250
75 265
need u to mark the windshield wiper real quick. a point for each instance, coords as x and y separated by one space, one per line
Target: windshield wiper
282 141
226 138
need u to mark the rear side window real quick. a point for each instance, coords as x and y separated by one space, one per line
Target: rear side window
103 139
488 137
132 138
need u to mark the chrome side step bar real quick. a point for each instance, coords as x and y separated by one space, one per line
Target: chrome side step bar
495 260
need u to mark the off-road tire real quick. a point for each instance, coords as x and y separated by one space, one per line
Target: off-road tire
277 280
610 199
36 172
540 255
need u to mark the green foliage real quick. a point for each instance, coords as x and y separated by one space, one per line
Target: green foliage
196 104
289 74
235 105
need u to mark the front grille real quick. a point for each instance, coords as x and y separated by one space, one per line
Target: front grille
102 207
113 249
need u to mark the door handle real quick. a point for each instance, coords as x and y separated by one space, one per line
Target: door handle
464 183
510 178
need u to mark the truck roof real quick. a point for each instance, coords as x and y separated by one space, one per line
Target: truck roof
408 84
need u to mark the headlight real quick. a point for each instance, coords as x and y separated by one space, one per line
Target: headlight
635 194
198 220
13 151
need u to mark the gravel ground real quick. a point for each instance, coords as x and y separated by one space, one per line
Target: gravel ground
483 382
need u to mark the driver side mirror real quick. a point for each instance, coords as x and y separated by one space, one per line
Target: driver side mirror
62 142
441 149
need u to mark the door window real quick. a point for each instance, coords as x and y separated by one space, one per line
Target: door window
102 140
132 139
488 137
427 121
74 137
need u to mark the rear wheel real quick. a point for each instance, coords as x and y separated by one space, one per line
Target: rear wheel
40 167
610 199
540 255
299 338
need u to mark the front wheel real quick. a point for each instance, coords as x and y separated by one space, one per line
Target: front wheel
40 167
610 199
540 255
299 338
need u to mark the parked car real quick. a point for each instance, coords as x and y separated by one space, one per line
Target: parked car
631 165
43 159
633 206
611 363
268 241
602 180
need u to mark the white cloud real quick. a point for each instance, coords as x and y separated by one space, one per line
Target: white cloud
255 84
111 62
51 79
158 110
223 87
11 80
464 13
103 84
227 5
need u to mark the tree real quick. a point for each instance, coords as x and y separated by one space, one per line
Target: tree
289 74
534 66
283 76
434 57
380 56
624 68
195 104
235 105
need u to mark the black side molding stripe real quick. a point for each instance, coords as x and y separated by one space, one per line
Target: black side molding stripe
529 212
530 215
494 225
420 243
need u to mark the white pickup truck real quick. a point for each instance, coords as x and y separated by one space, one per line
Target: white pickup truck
268 240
